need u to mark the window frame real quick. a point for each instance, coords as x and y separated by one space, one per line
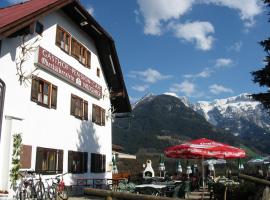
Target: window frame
81 157
38 82
98 115
83 112
98 163
44 155
75 48
61 36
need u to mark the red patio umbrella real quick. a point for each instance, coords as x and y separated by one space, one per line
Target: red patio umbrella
204 148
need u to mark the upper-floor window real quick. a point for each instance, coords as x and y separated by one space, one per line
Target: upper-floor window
73 47
79 107
44 93
98 115
39 28
98 72
63 39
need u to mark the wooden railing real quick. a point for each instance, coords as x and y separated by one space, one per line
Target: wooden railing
254 179
109 195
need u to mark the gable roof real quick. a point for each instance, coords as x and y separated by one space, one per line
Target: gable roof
16 17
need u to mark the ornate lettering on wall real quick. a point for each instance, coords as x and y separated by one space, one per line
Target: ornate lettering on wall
55 65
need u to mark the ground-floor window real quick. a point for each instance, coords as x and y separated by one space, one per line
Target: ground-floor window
49 161
2 98
77 162
98 163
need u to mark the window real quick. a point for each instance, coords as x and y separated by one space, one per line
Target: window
63 39
77 162
73 47
39 28
79 107
98 163
44 93
25 157
49 161
98 72
98 115
79 52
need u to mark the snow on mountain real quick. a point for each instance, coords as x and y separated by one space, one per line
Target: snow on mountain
235 112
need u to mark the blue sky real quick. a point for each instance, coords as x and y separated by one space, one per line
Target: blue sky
202 49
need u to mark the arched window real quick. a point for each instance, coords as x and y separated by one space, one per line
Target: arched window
2 98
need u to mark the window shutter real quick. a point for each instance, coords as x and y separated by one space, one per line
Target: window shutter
59 168
54 97
34 89
103 117
88 59
85 162
103 168
70 159
85 110
93 157
39 156
72 105
58 36
25 157
73 47
94 113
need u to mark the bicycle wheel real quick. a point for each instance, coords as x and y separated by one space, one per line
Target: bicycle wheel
30 192
40 190
51 193
63 194
22 195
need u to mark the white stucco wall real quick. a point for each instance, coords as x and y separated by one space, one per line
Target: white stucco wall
52 128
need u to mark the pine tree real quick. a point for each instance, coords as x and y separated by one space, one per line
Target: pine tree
262 76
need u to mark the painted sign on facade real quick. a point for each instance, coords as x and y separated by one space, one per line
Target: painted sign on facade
55 65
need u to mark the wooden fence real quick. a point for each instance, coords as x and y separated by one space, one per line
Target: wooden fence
109 195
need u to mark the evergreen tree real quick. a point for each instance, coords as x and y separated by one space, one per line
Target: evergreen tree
262 76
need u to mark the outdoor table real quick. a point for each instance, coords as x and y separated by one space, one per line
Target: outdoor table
151 189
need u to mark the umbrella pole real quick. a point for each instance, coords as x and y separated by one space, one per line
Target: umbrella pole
203 178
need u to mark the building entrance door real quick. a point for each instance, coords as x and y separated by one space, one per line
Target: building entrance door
2 99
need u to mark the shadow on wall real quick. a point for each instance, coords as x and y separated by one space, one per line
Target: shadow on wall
88 141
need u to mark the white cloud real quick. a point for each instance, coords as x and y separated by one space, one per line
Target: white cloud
90 9
217 89
158 14
203 74
149 75
223 62
197 32
186 87
140 88
157 11
248 9
236 46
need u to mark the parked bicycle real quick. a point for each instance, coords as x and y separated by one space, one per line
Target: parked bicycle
57 189
29 187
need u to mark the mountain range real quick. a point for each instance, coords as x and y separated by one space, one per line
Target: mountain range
162 120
